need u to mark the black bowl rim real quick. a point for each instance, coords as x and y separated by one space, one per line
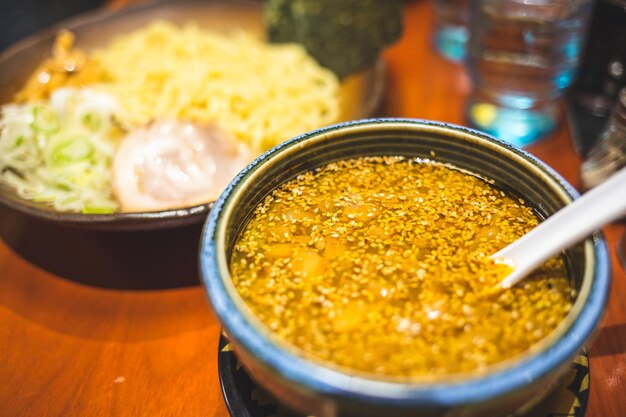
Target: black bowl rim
313 376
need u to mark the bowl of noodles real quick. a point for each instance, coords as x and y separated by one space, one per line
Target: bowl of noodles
138 119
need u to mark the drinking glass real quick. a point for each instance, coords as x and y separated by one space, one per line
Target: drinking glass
450 29
606 157
608 154
522 55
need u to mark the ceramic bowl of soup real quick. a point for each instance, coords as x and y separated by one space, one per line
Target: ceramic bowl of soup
349 268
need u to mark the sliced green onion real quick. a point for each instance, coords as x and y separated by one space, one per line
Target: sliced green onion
45 120
62 159
98 210
92 121
44 198
74 149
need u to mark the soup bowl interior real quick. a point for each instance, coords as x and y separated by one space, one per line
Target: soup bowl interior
322 389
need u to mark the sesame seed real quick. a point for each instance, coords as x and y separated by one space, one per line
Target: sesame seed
380 265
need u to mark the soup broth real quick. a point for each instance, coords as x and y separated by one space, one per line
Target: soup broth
380 265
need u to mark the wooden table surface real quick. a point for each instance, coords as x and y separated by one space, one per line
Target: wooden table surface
130 333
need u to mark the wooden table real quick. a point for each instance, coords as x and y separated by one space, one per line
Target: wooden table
72 345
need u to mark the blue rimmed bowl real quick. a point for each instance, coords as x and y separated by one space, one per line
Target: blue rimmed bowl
319 389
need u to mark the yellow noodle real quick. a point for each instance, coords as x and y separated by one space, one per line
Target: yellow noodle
262 93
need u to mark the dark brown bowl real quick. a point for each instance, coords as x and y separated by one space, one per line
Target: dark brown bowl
361 93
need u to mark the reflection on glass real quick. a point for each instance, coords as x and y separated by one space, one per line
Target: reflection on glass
522 55
450 32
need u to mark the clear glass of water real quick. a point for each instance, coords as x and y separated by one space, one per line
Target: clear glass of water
450 28
522 56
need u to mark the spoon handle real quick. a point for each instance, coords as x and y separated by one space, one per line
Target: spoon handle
599 206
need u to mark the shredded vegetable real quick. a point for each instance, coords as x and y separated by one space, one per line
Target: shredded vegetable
60 151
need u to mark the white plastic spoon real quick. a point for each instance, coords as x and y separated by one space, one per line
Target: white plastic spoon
568 226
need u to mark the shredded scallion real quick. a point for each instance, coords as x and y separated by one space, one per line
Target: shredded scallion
53 155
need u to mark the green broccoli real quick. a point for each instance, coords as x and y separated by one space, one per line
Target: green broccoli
343 35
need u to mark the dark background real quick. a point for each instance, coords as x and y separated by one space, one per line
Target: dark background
19 18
